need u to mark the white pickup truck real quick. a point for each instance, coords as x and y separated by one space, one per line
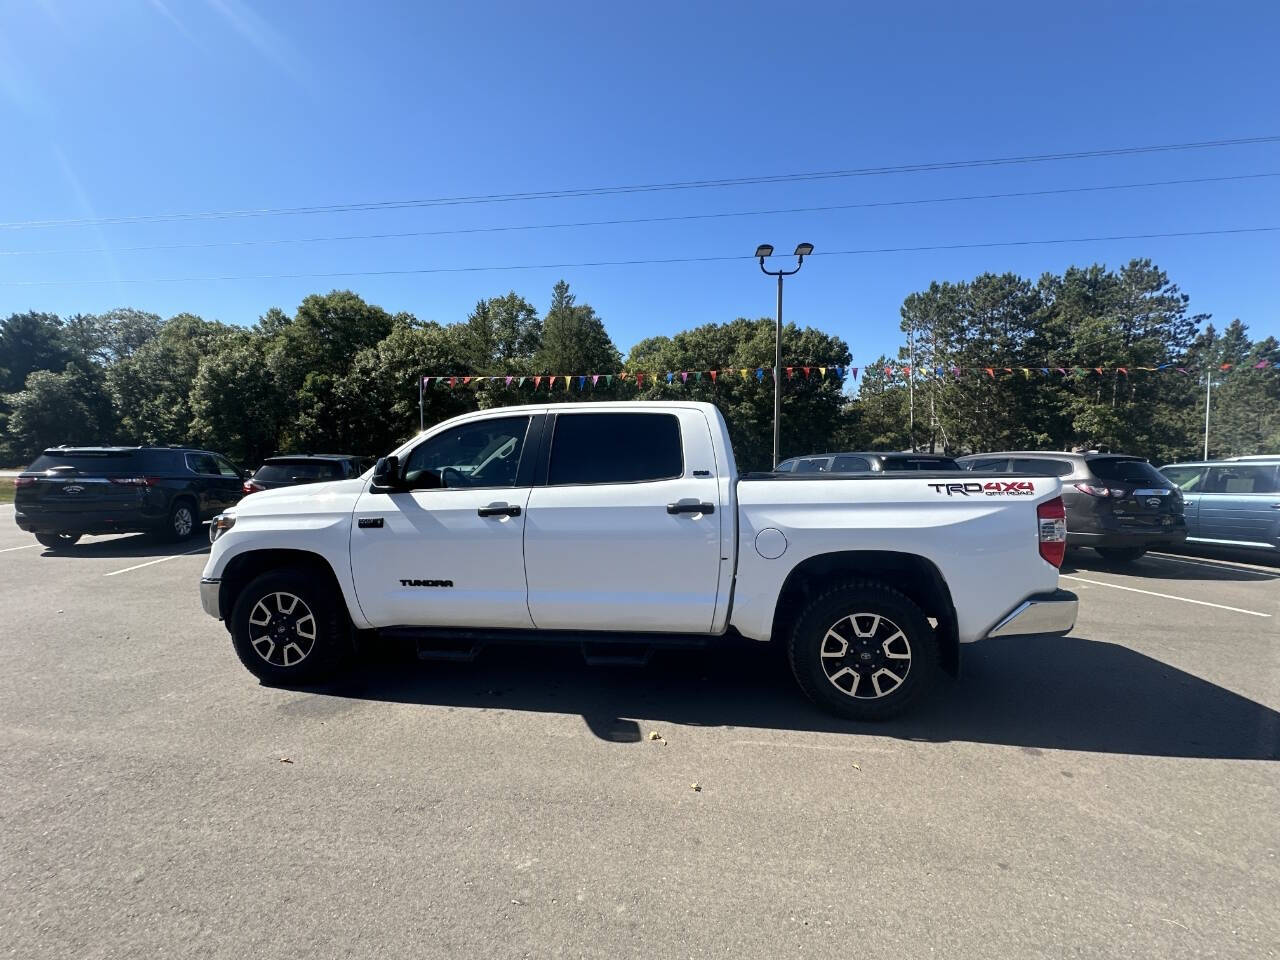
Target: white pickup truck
625 526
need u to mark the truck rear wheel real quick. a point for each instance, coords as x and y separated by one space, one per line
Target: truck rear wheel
287 629
863 651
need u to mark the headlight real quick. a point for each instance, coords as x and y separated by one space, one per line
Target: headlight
220 525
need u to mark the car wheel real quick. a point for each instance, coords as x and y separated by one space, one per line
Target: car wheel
863 651
1121 554
182 521
287 629
56 541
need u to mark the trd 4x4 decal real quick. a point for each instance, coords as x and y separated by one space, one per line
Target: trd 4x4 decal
992 488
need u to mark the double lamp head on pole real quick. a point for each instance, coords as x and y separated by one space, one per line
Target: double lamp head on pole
766 250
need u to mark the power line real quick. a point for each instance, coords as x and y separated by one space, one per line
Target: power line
204 245
642 188
632 263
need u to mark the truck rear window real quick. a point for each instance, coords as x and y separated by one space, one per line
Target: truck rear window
299 470
1119 470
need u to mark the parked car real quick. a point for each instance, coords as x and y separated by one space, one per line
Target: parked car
72 491
1232 502
621 527
1119 505
866 462
288 471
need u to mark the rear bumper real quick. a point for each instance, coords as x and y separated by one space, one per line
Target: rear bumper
1042 613
210 587
1127 538
115 521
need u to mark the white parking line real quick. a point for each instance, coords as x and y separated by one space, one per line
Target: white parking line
1218 564
25 546
1166 596
139 566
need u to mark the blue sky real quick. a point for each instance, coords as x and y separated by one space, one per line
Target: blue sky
136 107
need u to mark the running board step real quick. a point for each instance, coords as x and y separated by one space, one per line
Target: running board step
459 651
615 654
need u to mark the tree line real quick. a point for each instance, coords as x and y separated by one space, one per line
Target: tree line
341 374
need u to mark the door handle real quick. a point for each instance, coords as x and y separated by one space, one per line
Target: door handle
1275 506
499 510
690 506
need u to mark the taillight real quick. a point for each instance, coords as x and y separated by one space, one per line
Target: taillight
1051 517
135 481
251 487
1093 491
23 481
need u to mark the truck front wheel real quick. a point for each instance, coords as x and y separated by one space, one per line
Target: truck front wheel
863 651
287 629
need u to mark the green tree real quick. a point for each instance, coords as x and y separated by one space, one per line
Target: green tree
30 341
151 387
53 408
237 405
812 407
574 340
501 335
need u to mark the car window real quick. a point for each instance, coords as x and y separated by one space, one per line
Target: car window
920 463
1042 467
786 466
201 463
225 468
592 448
1187 479
484 453
1121 470
988 464
1239 479
295 471
813 465
851 465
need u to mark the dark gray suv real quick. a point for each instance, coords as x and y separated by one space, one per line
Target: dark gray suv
1119 505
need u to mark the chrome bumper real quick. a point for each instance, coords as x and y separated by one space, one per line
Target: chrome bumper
1046 613
209 589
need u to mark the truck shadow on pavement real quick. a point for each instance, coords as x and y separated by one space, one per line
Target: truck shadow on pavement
128 546
1053 693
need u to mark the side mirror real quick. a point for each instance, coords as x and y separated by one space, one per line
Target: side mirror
386 474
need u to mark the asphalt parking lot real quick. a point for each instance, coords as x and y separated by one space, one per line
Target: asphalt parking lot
1115 793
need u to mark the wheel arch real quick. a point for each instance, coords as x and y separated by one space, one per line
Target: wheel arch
244 567
917 577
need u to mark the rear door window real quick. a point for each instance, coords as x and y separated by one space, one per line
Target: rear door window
593 448
1043 467
1133 472
851 465
1187 479
201 463
225 468
1239 479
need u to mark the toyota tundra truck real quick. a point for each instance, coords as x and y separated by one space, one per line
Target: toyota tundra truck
626 527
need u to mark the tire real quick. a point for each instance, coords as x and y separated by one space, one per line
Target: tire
849 645
1121 554
182 522
287 629
57 541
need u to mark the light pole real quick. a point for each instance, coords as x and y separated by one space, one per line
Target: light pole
766 250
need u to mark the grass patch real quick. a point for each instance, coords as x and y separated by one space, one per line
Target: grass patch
6 490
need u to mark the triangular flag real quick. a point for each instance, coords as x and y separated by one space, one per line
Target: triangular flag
888 371
1045 371
713 375
537 382
759 373
452 381
1007 369
1061 370
465 381
1122 370
521 383
582 382
595 378
698 375
608 379
566 384
1225 366
670 376
684 376
807 369
743 371
639 379
790 372
990 372
1260 365
1026 373
426 381
1183 371
853 371
1099 369
955 371
823 371
508 383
